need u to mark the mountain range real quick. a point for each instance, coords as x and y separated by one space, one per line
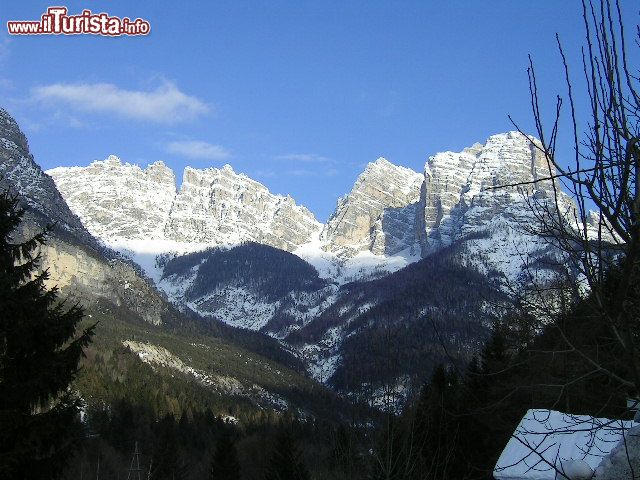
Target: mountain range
392 216
141 338
414 265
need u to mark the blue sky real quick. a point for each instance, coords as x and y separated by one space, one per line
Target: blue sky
299 95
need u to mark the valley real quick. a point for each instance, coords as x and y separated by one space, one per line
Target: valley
223 247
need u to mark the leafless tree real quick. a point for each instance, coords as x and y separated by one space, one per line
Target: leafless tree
599 230
596 224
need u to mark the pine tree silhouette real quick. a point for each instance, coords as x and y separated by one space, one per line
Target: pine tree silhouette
39 355
225 464
286 462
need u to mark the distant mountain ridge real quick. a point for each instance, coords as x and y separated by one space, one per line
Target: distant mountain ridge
132 314
214 206
419 257
393 216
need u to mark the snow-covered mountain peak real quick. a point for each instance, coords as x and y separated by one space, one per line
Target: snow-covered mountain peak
454 182
111 160
379 163
474 149
219 206
114 166
459 202
213 175
391 216
136 208
118 201
504 159
377 214
160 172
383 166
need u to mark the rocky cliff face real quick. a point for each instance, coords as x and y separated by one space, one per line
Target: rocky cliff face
496 226
88 277
121 202
218 207
77 263
379 214
116 200
457 196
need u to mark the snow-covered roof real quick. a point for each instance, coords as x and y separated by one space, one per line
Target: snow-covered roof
546 442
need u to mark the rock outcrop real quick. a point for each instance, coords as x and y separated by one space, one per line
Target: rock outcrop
78 264
379 214
214 206
217 206
116 200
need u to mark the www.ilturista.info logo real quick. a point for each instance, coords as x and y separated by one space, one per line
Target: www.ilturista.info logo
57 22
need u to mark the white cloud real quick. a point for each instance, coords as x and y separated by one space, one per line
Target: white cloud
198 149
302 173
309 165
305 158
265 174
165 104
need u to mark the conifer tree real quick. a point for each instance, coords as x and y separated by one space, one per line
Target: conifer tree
167 463
344 457
286 462
39 355
225 464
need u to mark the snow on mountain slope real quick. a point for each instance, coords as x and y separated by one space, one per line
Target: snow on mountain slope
458 203
336 264
139 212
21 174
219 206
119 201
250 286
